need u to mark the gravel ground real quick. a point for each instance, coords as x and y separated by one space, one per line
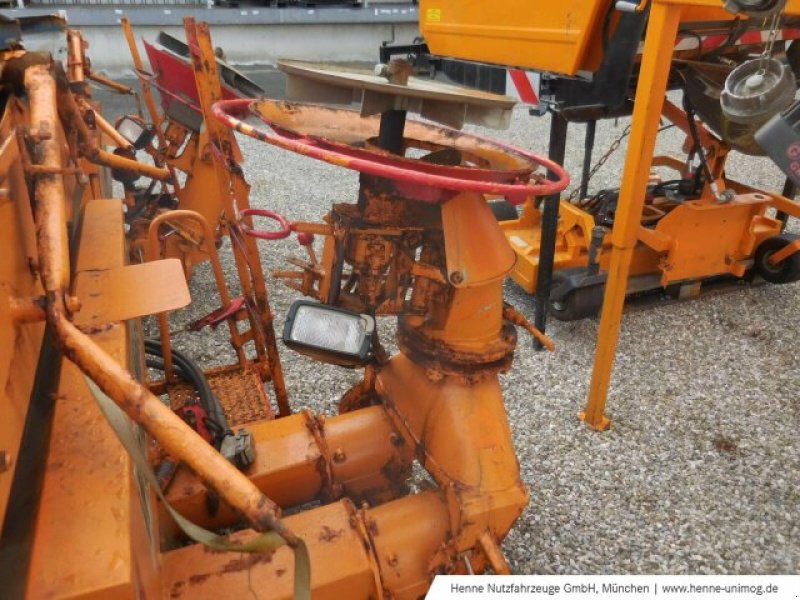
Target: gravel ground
699 473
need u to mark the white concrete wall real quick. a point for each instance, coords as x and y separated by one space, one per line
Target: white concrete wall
260 44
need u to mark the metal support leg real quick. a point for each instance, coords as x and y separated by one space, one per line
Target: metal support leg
549 227
659 42
591 128
789 191
390 135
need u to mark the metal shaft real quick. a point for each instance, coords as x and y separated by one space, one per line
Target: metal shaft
547 247
789 191
591 128
390 135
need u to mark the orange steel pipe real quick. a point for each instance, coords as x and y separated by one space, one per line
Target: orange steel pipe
177 438
27 310
359 453
389 551
494 554
784 253
149 101
106 127
75 57
108 159
647 110
110 83
71 114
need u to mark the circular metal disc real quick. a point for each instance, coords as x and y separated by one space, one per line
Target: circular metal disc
444 103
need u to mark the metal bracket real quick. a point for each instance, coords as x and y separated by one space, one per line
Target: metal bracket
121 293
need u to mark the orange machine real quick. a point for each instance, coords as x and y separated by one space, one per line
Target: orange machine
116 486
661 237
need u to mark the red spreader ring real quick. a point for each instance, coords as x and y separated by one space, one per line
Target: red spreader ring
513 183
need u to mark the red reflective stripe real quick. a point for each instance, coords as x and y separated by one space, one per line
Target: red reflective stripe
714 41
790 34
751 37
524 87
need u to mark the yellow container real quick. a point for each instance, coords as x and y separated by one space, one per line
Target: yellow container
563 36
550 36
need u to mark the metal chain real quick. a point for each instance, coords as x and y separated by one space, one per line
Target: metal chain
602 160
773 34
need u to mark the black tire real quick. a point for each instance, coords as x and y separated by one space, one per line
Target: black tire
503 211
580 303
785 271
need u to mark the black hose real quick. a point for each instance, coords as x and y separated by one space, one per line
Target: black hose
188 370
698 147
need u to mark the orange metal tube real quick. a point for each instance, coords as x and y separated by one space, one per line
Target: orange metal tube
106 127
27 310
359 453
110 83
382 552
139 404
784 253
102 157
71 114
659 43
219 278
75 57
494 554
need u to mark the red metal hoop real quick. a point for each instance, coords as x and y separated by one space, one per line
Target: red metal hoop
279 234
514 184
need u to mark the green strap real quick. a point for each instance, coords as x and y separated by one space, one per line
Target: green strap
264 542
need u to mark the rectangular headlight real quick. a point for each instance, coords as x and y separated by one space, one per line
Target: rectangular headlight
328 333
135 132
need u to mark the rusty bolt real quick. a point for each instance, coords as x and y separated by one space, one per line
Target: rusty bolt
41 133
339 456
434 375
456 277
395 439
72 303
5 461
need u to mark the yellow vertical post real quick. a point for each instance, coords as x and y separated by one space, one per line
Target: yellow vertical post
656 60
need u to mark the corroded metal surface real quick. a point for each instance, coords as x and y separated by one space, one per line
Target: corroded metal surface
240 391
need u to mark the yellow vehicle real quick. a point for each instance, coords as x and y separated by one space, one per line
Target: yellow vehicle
705 224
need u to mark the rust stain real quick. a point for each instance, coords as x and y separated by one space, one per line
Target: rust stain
177 589
199 578
328 535
725 445
240 564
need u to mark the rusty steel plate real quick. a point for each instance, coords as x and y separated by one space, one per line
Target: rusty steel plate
240 391
443 103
